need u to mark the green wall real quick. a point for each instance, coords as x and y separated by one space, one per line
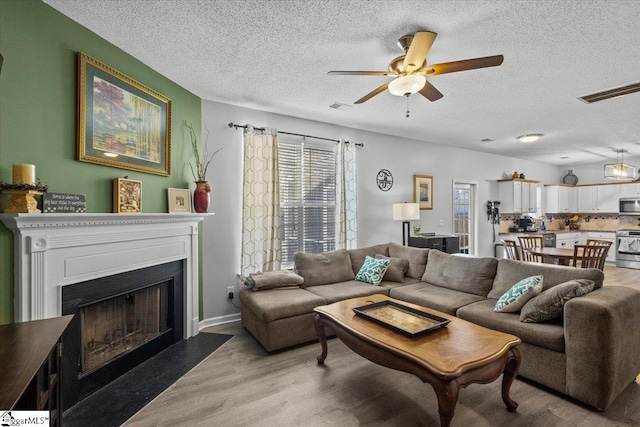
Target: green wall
38 86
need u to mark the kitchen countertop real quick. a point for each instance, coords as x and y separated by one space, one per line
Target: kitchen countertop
558 232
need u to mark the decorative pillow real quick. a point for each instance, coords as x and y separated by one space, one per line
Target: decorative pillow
397 268
519 294
373 270
550 304
271 279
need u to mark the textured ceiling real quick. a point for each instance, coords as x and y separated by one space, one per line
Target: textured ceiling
274 56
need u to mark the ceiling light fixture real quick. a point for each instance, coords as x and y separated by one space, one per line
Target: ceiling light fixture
530 137
407 85
619 170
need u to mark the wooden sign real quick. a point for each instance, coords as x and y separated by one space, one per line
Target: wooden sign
61 203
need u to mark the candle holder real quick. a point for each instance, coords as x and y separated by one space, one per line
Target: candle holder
22 201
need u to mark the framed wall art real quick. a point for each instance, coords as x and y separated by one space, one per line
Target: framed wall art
423 191
121 122
127 196
179 200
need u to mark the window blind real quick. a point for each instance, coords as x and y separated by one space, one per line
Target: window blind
307 199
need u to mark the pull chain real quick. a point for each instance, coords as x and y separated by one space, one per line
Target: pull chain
408 112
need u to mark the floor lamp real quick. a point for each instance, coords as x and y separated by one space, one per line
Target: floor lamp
405 212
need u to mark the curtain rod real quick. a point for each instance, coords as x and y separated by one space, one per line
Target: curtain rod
235 126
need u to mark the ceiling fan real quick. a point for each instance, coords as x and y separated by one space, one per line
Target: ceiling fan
411 69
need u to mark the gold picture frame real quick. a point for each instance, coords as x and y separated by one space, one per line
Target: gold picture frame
121 122
423 191
179 200
127 196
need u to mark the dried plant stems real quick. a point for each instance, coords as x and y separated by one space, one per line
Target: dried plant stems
202 163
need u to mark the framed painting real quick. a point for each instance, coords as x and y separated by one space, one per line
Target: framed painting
423 191
127 196
179 200
121 122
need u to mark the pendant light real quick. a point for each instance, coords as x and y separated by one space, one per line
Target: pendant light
619 170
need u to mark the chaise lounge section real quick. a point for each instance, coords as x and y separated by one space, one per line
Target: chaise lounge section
589 354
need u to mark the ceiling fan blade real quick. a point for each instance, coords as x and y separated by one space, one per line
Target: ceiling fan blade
466 64
372 93
430 92
417 53
361 73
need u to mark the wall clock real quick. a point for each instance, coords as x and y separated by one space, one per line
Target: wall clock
384 179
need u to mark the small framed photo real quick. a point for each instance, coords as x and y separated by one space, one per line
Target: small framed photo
179 200
127 196
423 191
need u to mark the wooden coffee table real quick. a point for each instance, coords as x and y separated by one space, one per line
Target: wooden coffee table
455 356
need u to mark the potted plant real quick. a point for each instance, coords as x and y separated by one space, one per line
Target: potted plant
201 198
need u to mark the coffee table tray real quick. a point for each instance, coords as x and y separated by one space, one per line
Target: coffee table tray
401 318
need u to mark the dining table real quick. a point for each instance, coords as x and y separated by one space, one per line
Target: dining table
561 256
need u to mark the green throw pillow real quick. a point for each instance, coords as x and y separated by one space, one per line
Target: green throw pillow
372 271
519 294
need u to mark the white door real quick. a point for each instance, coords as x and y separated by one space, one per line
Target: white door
464 217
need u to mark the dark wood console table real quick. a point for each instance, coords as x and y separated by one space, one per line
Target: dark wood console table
30 366
445 243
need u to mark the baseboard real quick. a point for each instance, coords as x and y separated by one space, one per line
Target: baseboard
219 320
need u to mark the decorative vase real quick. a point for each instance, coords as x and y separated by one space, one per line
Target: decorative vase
522 176
570 178
201 197
515 175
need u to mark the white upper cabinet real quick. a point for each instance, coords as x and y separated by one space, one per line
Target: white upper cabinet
560 199
598 198
629 190
518 196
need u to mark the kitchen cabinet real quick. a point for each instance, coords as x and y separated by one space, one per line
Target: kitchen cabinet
560 199
518 195
598 198
629 190
609 237
569 240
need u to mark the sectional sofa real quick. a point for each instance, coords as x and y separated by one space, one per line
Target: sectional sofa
590 354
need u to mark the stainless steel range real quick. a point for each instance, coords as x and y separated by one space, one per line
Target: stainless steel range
628 248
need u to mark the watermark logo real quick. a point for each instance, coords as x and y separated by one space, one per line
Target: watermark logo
24 418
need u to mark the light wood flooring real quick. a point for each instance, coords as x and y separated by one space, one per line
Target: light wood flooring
240 384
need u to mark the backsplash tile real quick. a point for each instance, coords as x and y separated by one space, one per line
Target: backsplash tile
597 222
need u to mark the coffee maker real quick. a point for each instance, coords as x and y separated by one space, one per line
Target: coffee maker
526 224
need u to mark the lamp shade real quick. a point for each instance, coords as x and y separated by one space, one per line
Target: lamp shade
407 85
406 211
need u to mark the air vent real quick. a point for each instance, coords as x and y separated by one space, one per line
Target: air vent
340 106
611 93
486 140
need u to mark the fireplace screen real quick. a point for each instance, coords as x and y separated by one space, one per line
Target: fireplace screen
114 326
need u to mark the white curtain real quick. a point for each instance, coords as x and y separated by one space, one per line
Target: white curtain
346 196
260 202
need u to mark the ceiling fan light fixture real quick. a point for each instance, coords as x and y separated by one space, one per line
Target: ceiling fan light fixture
530 137
619 170
407 85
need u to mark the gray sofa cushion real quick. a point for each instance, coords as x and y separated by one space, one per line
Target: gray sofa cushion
550 304
357 256
462 273
279 303
345 290
397 268
417 258
321 269
510 272
548 335
435 297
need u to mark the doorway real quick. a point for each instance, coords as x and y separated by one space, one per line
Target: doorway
464 215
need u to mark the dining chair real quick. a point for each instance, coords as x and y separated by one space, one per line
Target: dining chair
530 242
590 256
511 249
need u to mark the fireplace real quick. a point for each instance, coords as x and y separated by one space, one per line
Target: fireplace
119 322
75 263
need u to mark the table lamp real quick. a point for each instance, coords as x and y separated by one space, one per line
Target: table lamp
405 212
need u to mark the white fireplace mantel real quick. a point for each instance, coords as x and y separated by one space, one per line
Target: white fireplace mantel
56 250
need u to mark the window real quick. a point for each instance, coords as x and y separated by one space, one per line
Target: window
307 198
463 215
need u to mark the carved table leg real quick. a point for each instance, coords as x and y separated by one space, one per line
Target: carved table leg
447 393
510 371
322 338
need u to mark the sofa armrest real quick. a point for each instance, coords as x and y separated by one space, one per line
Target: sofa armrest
602 343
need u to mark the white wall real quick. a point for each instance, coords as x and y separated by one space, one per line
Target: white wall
593 173
402 157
